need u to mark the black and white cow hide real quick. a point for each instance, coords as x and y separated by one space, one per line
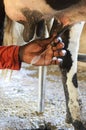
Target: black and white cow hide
69 76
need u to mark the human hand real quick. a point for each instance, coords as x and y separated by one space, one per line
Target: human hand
42 52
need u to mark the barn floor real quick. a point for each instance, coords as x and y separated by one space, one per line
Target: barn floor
19 100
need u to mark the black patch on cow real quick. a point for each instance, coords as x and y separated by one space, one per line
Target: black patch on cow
65 38
74 80
80 103
67 61
64 80
78 125
2 17
61 4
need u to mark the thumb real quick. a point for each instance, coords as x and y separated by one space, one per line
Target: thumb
47 41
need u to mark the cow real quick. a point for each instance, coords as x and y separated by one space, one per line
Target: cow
69 18
68 68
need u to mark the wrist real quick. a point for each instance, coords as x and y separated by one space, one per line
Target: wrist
21 53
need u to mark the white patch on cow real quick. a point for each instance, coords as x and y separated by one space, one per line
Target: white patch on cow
18 33
12 36
72 90
13 33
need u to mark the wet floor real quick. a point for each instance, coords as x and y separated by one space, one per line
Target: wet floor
19 99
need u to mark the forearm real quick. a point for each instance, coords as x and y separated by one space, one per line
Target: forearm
9 57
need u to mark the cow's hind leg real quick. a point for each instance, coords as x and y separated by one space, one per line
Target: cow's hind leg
69 76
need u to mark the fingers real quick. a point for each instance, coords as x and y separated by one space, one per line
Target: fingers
57 57
60 53
49 40
56 61
56 43
59 46
53 61
53 55
50 58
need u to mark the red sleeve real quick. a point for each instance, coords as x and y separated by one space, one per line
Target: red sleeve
9 58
